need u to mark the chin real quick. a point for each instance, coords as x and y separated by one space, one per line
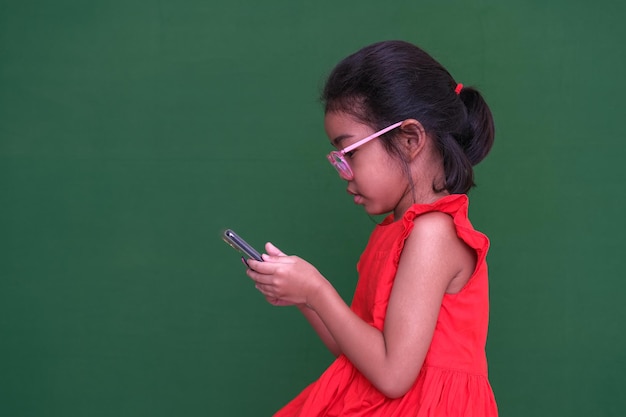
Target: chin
376 211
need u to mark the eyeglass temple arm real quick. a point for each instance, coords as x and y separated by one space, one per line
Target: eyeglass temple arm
370 137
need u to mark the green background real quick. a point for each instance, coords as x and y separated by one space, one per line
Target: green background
133 131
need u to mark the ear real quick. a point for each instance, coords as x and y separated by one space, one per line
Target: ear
413 138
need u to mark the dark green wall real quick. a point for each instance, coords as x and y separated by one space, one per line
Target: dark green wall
133 131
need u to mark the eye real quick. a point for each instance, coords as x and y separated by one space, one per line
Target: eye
349 154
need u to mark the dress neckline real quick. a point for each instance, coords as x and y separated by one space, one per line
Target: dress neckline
460 199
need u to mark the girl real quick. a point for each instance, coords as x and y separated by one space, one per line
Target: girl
412 342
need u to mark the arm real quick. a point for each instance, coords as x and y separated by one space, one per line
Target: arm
311 316
321 329
432 257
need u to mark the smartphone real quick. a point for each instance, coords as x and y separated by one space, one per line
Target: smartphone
241 245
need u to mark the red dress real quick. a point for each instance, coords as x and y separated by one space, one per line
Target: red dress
453 379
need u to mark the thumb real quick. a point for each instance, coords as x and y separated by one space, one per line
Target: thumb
273 250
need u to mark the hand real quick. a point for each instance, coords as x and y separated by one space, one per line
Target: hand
284 280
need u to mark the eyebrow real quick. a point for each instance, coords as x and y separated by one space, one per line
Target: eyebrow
337 141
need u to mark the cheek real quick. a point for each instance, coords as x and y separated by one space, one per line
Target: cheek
391 169
378 171
385 176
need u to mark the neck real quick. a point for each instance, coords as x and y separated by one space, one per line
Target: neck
414 196
426 174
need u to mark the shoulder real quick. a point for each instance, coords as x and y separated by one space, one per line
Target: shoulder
433 225
434 246
453 205
432 237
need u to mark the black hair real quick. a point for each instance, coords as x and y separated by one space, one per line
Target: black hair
391 81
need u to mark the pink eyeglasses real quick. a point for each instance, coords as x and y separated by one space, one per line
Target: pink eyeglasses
337 159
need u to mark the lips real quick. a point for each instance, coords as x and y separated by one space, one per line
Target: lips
358 199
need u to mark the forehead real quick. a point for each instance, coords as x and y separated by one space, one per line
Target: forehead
345 128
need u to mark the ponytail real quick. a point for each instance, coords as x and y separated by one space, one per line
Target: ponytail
470 145
480 130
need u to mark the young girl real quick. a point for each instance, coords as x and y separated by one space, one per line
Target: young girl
413 341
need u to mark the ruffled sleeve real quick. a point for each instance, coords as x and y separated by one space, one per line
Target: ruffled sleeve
456 205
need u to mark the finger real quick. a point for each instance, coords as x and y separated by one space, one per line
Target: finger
274 300
260 273
261 288
262 267
273 250
266 291
281 259
254 275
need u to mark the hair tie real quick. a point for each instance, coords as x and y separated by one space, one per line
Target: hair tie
458 88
